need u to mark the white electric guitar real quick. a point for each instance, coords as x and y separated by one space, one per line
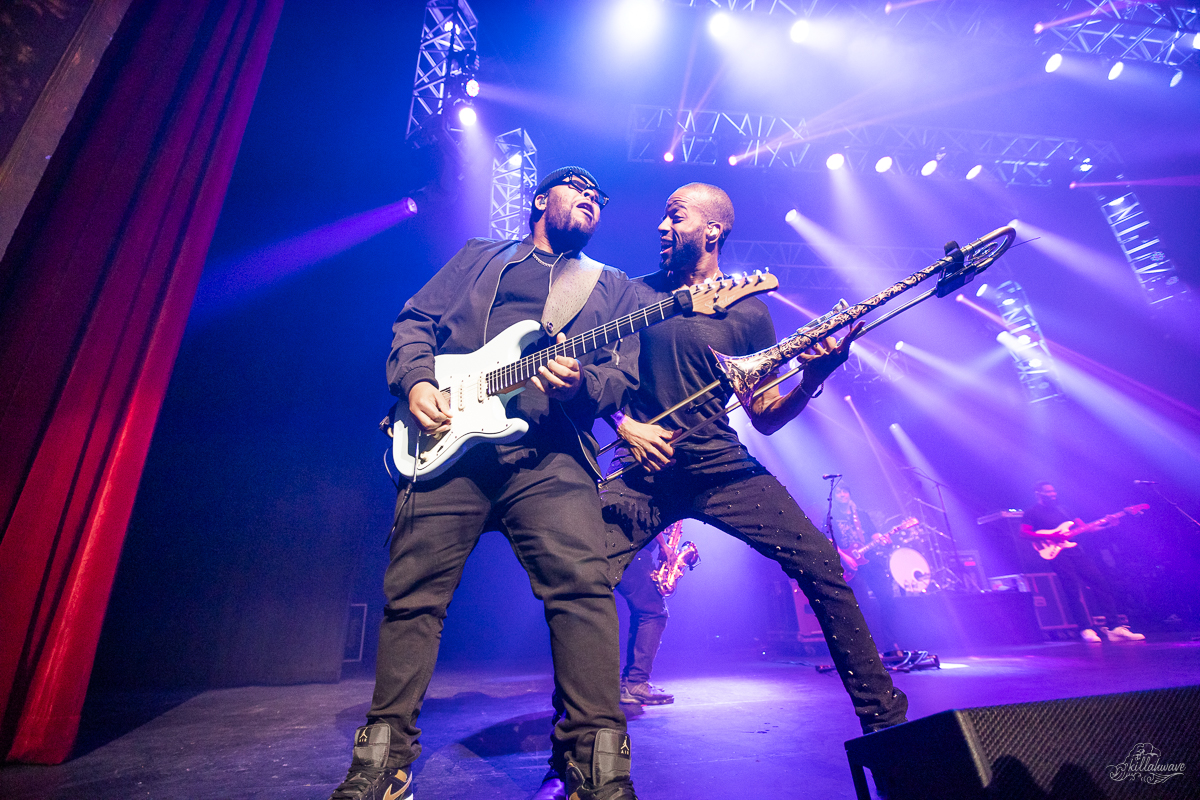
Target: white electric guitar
478 385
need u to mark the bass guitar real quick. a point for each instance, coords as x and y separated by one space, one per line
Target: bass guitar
478 385
1049 543
855 557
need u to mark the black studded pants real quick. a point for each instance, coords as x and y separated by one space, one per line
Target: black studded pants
752 505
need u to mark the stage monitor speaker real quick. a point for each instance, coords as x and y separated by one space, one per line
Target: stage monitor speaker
1142 745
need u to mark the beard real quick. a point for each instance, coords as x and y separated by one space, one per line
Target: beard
566 231
685 254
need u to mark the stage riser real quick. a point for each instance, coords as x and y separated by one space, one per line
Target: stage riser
963 623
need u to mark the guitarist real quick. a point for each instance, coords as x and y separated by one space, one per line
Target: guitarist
854 529
1074 567
711 477
537 491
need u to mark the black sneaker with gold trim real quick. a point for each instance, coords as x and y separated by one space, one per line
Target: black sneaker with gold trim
369 778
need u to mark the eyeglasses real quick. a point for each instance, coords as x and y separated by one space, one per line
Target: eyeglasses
581 185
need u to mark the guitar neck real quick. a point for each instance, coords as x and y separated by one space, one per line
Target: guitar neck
504 378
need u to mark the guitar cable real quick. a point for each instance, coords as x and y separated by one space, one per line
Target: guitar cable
407 489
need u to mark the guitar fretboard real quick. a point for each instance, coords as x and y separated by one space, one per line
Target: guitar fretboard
520 371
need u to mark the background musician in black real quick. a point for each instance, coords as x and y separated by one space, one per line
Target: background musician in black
1076 569
853 530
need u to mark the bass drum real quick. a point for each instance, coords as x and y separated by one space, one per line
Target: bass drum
909 570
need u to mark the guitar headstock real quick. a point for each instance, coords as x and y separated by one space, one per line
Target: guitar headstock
1139 508
716 295
911 522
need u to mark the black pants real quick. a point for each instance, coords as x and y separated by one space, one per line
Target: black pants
549 509
753 506
647 617
1078 572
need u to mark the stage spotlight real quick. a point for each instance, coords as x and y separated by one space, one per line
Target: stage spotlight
1116 70
733 161
720 26
1196 42
799 32
668 156
638 20
1176 78
982 288
1116 202
1035 362
930 167
449 26
883 164
1054 62
514 161
467 116
791 216
471 87
974 171
899 345
835 161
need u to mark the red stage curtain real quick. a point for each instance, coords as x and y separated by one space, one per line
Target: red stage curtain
95 290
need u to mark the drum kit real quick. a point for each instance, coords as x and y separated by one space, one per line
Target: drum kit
912 555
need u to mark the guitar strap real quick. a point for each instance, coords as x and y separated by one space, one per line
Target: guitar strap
569 290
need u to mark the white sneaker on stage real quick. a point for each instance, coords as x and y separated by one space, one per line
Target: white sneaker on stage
1121 633
1090 636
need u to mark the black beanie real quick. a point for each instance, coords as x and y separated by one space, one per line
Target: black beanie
556 177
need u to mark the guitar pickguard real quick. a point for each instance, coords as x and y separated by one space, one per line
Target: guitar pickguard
476 415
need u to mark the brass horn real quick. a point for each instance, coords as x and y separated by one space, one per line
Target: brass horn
957 268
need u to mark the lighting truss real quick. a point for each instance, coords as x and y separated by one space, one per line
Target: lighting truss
991 20
761 140
799 267
448 29
1160 33
1031 356
514 180
769 6
1142 247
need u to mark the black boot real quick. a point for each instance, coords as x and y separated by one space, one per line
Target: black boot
369 778
610 770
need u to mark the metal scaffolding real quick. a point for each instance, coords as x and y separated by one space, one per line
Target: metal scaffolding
1140 243
1159 33
763 140
447 41
1023 338
514 180
769 6
1132 31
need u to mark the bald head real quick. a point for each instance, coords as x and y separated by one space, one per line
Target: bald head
711 202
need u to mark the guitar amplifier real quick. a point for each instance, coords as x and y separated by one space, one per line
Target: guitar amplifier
1047 597
809 630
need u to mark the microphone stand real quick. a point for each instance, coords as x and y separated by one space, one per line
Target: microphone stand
1170 502
829 511
949 533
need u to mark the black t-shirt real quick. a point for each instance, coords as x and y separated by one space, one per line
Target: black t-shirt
521 295
1041 518
676 361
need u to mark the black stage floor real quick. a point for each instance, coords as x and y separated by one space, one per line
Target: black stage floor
739 727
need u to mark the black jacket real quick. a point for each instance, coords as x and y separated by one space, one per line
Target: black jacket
449 315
